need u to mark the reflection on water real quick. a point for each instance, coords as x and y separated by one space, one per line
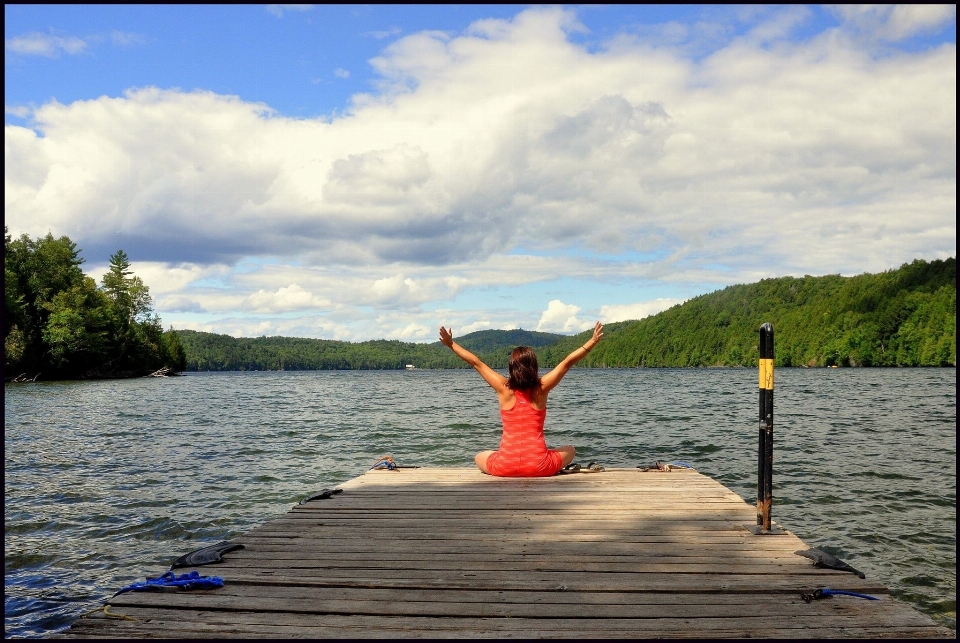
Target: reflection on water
108 482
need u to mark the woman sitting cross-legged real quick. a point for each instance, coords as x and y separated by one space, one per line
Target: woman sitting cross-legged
523 408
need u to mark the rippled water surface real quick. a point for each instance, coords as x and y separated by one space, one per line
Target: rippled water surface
108 482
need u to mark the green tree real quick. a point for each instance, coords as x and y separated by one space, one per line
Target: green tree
130 296
76 334
137 335
175 354
14 340
35 271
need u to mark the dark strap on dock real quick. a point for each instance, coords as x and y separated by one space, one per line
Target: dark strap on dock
323 495
206 555
823 559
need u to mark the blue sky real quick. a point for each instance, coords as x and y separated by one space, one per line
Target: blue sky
363 172
294 59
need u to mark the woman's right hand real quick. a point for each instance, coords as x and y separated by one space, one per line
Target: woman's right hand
446 337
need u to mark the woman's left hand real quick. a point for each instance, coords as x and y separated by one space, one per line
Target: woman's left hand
597 333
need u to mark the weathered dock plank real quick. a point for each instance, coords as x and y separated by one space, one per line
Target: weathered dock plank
454 553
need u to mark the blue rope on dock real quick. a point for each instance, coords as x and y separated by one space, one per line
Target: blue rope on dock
826 592
193 580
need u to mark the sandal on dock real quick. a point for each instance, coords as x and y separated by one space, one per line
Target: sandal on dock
656 466
323 495
206 555
385 462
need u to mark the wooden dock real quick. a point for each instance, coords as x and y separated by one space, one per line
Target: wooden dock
455 553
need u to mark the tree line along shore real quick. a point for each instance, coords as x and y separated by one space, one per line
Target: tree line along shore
902 317
59 323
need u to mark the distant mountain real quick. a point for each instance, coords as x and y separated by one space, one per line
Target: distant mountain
490 341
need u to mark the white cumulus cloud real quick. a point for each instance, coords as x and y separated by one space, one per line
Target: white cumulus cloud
286 299
512 135
562 318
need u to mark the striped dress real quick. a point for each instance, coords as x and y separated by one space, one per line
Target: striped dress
523 451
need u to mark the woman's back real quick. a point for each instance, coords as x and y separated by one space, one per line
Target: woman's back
523 451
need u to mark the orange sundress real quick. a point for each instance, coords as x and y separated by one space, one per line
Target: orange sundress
523 451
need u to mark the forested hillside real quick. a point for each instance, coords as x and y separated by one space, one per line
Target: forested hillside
210 352
904 317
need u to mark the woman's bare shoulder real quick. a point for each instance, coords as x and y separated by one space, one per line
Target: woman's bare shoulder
507 398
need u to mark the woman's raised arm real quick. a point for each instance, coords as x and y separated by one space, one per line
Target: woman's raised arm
553 378
497 381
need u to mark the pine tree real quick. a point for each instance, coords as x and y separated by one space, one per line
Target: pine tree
176 355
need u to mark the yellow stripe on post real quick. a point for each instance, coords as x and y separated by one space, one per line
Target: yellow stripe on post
766 374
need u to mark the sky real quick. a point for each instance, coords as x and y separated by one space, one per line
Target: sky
366 172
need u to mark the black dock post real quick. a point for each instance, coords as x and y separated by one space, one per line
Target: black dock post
765 450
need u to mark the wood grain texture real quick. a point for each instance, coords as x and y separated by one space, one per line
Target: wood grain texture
445 553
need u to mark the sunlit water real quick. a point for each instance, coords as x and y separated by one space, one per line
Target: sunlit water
108 482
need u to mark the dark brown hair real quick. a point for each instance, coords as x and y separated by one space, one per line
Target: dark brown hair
524 373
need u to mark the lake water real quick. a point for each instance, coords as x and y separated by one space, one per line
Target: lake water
108 482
